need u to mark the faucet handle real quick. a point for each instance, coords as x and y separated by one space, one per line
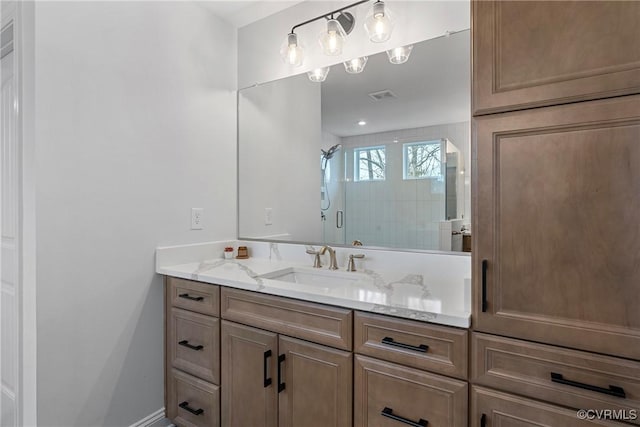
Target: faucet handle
352 265
316 260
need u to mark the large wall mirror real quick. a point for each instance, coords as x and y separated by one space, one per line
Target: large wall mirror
381 157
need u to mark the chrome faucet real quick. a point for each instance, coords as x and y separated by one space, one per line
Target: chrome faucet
333 264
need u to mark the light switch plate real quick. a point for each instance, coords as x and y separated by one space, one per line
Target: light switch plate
197 216
268 216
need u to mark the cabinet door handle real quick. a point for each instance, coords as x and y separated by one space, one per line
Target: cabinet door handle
611 391
422 348
267 380
485 265
281 385
185 405
388 412
185 343
187 296
483 420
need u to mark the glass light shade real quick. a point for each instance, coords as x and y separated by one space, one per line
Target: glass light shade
318 75
356 65
332 40
291 51
379 24
399 55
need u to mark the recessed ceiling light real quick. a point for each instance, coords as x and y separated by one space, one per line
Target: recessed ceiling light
362 123
395 141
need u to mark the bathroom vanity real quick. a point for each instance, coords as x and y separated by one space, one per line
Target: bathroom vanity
264 342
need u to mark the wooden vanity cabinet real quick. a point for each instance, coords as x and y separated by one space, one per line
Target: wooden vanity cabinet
270 361
539 53
270 379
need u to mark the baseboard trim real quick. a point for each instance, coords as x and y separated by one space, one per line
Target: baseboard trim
150 419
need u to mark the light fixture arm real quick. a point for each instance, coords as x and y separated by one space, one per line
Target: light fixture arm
327 15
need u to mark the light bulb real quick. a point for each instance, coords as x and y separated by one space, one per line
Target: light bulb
378 23
399 55
356 65
318 75
291 51
332 40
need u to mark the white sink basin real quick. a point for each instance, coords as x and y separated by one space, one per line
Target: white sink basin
316 277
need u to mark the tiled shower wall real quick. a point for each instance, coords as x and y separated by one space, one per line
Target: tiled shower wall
396 212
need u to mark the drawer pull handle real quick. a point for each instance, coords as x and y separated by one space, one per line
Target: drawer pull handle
422 348
267 380
483 420
388 412
611 391
185 343
185 405
485 265
281 385
187 296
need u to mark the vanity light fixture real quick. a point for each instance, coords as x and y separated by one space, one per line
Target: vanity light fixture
356 65
399 55
318 75
339 24
378 23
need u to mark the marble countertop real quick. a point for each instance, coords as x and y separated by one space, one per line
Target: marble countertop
411 296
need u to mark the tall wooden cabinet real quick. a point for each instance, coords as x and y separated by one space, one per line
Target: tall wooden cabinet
556 200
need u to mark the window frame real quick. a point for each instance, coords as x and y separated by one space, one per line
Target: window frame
356 163
405 167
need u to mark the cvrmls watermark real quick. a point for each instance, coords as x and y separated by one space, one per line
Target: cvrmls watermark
608 414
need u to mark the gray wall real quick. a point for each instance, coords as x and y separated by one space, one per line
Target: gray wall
135 124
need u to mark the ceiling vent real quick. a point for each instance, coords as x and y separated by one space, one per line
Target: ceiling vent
383 94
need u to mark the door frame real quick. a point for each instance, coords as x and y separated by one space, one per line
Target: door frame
22 15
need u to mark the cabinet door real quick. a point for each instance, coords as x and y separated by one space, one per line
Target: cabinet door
389 395
249 389
316 385
496 409
557 203
536 53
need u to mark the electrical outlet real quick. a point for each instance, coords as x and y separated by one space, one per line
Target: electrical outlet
268 216
197 215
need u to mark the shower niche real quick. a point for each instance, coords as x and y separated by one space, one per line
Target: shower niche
380 157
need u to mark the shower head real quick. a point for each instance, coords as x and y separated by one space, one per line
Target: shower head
327 154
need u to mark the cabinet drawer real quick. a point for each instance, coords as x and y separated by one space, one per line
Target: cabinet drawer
193 402
490 408
194 344
387 394
314 322
416 344
582 380
194 296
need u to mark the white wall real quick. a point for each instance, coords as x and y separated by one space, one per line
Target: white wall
135 124
280 151
259 43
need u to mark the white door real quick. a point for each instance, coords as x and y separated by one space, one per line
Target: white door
10 173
